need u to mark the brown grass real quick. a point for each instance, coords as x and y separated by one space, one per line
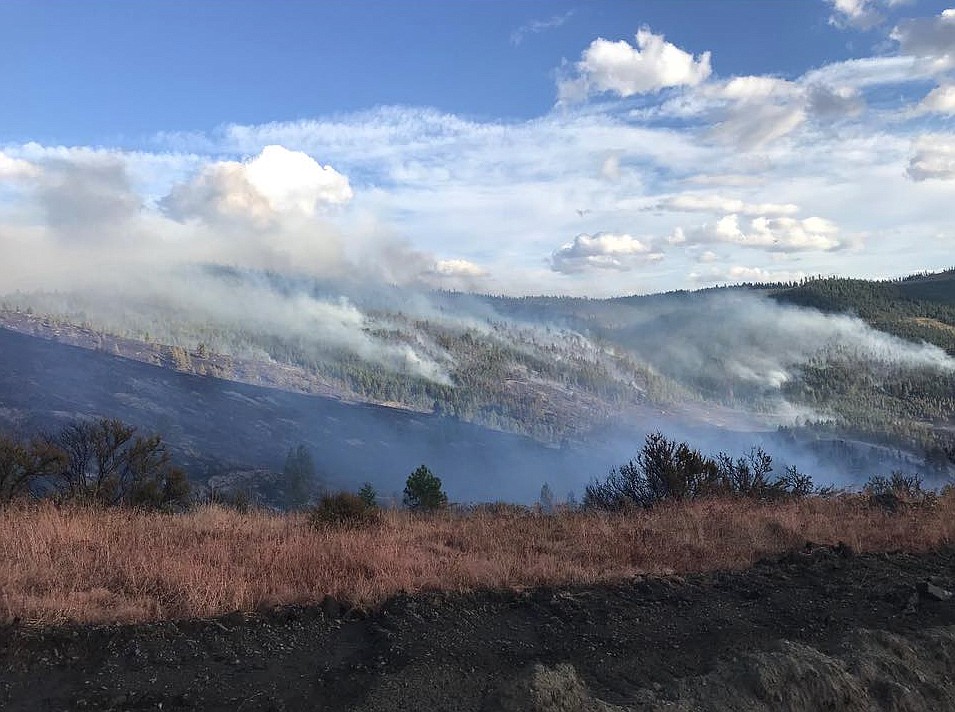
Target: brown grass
114 565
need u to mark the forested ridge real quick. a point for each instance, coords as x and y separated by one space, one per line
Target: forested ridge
561 367
917 308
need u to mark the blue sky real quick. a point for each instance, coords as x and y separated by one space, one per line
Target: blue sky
567 147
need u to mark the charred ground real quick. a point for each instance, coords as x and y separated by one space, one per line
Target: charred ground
817 627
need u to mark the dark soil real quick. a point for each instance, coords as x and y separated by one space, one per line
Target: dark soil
818 629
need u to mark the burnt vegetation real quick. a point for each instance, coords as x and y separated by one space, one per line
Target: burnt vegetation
560 369
101 462
667 470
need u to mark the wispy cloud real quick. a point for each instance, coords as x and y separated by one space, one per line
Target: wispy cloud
537 26
745 170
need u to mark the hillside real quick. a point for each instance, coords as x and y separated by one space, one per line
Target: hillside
215 425
854 371
918 308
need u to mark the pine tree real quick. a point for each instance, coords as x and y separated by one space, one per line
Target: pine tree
423 491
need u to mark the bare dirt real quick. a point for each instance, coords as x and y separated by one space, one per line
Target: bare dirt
818 629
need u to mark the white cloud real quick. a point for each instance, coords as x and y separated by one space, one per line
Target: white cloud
752 111
603 250
855 13
749 88
941 100
456 274
458 268
536 26
16 168
503 192
833 102
934 158
276 182
292 180
780 234
721 205
622 69
858 74
610 168
861 14
931 38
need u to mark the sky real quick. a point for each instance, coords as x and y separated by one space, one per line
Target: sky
585 148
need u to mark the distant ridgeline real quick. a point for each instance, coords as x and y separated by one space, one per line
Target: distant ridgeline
907 406
559 368
917 308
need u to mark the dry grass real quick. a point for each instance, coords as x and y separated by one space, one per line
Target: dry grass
113 565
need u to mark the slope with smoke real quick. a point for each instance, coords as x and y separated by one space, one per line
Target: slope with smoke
75 222
247 258
747 338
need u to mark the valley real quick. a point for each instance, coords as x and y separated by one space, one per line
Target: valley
558 389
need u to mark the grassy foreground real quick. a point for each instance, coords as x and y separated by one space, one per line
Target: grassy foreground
88 565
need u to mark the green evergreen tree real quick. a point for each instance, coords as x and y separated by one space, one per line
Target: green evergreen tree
368 494
423 491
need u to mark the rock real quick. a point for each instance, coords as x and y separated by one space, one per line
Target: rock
547 689
912 605
936 593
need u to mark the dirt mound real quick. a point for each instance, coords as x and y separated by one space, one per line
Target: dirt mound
817 629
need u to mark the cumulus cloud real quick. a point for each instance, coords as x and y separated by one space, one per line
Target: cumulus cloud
458 268
625 70
934 158
82 228
779 234
603 250
13 169
721 205
833 102
457 274
861 14
941 100
275 182
931 38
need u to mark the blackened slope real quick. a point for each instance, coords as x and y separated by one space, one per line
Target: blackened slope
43 384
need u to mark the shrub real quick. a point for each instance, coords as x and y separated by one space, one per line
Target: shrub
423 491
240 500
897 491
343 509
106 462
665 470
22 463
